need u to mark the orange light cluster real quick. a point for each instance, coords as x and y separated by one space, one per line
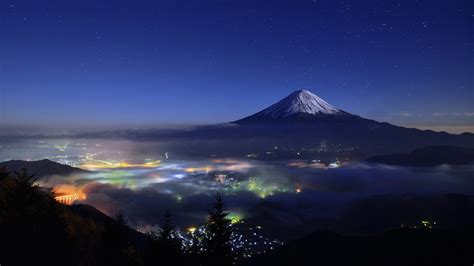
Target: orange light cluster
67 194
113 165
198 169
302 164
69 199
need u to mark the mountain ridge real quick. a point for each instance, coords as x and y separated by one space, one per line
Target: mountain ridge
428 156
302 121
41 168
297 122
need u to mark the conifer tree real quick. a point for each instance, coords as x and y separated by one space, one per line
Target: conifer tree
218 243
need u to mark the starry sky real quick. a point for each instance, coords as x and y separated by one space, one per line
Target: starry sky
130 63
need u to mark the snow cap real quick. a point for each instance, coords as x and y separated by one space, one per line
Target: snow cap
300 101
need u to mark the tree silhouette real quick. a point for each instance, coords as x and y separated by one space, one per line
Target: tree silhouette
36 229
218 242
167 227
31 220
115 247
166 245
121 219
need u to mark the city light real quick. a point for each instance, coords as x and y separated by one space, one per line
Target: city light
68 194
70 199
205 169
96 164
235 217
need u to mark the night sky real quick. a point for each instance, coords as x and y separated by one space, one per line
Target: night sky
129 63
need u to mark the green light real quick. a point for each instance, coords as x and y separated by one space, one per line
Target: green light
235 217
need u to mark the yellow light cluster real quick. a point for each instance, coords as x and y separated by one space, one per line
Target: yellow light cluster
302 164
198 169
115 165
67 194
69 199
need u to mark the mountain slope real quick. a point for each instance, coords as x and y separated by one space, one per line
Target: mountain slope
428 156
303 120
40 168
305 123
301 105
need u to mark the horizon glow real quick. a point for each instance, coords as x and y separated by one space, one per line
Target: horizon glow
164 63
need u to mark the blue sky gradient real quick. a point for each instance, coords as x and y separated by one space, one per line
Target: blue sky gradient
191 62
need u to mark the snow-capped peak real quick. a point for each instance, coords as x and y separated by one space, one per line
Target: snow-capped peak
301 101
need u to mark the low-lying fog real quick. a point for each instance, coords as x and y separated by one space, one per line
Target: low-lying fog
287 198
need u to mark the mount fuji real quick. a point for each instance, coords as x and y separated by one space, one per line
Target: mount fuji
301 101
302 121
301 105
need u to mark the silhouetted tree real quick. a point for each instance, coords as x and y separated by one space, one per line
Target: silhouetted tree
218 243
31 221
167 228
115 247
166 245
121 219
35 229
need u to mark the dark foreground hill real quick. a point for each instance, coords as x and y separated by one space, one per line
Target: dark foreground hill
422 246
100 219
36 229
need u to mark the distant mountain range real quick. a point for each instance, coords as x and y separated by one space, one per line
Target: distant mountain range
301 122
41 168
428 156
